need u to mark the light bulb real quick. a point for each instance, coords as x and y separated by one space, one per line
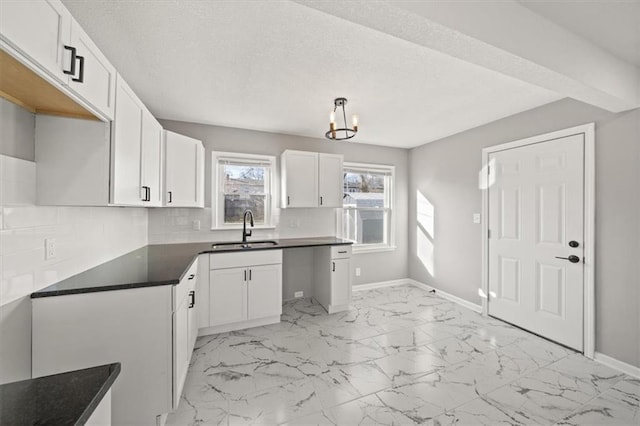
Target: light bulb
354 121
332 117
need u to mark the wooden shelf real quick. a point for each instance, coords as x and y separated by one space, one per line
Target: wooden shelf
21 86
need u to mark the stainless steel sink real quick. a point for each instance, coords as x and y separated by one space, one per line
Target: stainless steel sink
238 245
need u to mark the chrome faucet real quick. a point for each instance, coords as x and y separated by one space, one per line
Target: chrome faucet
246 233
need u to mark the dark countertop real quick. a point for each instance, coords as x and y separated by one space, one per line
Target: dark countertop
61 399
154 265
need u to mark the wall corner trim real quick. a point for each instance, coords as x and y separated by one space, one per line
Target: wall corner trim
629 369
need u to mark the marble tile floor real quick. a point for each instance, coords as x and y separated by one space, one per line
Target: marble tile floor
399 356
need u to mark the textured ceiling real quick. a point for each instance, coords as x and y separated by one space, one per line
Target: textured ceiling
276 66
613 25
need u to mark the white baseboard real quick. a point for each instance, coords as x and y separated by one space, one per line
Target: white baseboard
474 307
216 329
629 369
455 299
380 284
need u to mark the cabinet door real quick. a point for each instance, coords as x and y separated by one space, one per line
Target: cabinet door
330 180
192 319
184 169
227 296
181 352
39 30
95 78
125 148
300 179
340 281
151 160
264 291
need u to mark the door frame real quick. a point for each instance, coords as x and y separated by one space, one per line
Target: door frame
588 130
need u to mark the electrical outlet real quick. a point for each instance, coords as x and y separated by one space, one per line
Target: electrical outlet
358 272
298 294
476 218
195 225
49 248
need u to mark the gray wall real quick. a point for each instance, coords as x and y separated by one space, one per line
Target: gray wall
17 131
375 267
446 173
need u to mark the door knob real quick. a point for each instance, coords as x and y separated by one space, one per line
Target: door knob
574 244
573 258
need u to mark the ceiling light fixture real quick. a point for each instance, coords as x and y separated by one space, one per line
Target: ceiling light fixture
342 133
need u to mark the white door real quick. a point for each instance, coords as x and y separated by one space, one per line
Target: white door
264 291
330 180
536 218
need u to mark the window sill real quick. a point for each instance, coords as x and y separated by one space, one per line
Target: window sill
372 249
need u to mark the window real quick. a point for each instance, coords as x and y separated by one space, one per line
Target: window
367 206
241 182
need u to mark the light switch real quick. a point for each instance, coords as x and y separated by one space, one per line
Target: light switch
476 218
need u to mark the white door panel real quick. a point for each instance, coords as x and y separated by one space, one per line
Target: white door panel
535 209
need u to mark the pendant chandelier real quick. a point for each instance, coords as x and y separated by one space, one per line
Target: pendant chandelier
341 133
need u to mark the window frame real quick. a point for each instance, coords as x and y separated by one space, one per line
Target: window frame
389 223
217 192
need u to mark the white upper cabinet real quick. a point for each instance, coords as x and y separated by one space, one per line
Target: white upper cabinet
310 179
43 35
136 152
151 181
126 148
39 30
95 78
184 171
299 179
330 180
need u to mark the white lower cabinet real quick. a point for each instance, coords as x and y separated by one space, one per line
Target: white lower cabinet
245 289
149 330
332 277
184 329
130 326
228 296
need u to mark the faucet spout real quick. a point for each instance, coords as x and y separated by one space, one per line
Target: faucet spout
245 233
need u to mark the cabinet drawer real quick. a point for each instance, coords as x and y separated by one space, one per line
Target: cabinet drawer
187 283
245 258
340 252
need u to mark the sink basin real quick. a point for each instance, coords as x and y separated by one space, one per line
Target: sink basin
235 245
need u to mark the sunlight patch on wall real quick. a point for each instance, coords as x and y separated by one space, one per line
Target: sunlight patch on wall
425 214
425 232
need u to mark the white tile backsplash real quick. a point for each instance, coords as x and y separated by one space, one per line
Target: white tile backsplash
175 225
85 236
